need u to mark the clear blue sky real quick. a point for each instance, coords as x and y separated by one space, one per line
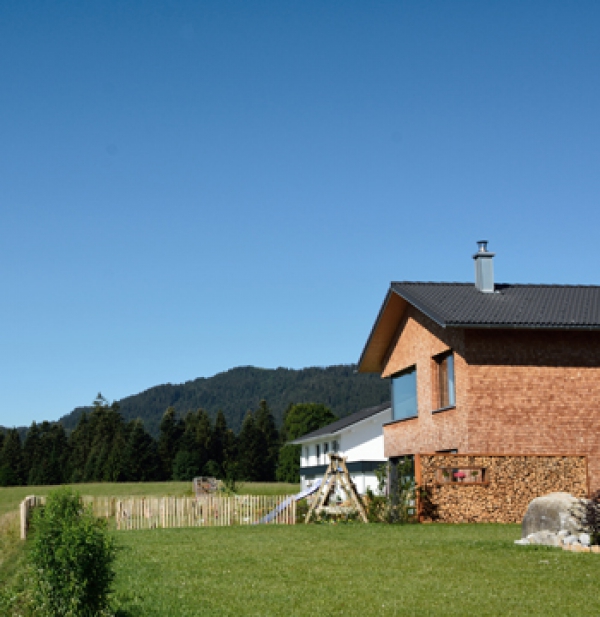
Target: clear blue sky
189 186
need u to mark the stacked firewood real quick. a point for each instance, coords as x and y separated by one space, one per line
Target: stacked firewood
493 488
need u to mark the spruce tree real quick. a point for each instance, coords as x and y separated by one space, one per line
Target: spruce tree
251 450
265 424
187 461
32 456
11 460
171 431
52 455
80 445
217 443
203 437
141 462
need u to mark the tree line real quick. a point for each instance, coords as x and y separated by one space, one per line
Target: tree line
104 447
242 388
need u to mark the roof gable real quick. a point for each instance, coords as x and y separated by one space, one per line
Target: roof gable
338 425
462 305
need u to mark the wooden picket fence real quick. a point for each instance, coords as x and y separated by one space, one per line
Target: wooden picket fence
171 512
204 511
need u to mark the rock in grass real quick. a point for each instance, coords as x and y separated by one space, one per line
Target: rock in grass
522 542
544 538
552 512
585 539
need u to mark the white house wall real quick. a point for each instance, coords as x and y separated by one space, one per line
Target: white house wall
362 441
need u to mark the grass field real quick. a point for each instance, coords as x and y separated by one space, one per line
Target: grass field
351 570
356 569
11 497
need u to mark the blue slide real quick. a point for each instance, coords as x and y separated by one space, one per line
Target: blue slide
284 504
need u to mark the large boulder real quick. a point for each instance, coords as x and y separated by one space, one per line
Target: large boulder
552 512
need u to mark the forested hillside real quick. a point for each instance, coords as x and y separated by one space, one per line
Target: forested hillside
238 390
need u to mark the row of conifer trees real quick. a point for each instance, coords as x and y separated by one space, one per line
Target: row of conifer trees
106 448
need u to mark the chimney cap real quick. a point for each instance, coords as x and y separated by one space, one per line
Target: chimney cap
482 250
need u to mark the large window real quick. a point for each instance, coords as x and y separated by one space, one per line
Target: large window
445 373
404 394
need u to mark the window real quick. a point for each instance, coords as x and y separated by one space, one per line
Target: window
306 453
462 475
404 394
318 448
325 450
335 446
445 381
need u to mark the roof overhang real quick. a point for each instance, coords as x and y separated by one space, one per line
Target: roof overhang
350 427
377 346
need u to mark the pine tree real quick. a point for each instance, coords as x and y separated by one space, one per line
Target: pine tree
51 456
187 461
171 431
11 460
203 437
252 448
265 423
32 455
217 442
141 462
80 445
113 469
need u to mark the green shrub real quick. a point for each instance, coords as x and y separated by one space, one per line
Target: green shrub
392 504
72 556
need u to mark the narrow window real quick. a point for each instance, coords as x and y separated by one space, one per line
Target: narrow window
335 446
325 450
404 394
446 395
318 447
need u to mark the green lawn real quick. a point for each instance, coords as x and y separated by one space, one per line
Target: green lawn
351 570
325 570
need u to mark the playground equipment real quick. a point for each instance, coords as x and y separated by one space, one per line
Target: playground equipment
285 504
336 476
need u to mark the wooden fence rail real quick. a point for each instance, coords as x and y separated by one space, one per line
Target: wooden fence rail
204 511
170 512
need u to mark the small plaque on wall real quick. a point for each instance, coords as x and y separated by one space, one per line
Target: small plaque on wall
461 475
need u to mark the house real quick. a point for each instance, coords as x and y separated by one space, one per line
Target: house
358 437
486 369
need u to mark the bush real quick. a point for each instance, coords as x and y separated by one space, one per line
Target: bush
72 557
588 515
392 504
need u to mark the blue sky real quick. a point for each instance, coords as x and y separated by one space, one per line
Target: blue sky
186 187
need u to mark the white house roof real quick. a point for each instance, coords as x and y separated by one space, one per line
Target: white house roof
337 426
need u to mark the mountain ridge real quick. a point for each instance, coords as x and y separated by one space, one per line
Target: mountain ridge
240 389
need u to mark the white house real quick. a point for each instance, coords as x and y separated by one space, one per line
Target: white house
358 437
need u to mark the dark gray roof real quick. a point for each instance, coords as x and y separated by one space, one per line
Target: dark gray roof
338 425
513 306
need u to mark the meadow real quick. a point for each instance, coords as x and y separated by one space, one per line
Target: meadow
327 569
11 497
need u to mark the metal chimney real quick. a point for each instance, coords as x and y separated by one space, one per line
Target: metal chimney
484 268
